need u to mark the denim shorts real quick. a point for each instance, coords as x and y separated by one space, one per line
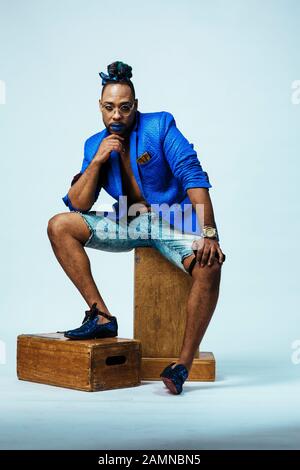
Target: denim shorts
146 229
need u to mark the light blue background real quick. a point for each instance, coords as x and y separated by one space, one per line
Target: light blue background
224 69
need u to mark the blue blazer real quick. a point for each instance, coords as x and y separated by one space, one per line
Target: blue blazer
164 179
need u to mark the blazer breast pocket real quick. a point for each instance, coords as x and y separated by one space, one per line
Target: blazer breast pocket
144 158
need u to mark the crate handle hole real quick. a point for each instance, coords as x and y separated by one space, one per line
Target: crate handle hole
113 360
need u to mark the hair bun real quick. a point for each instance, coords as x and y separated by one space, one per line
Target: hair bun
118 72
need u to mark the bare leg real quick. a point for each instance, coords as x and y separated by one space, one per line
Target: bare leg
201 304
68 233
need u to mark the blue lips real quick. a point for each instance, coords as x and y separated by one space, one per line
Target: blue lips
117 127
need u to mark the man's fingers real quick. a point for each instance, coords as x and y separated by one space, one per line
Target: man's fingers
198 254
115 136
114 142
116 146
221 255
197 247
205 256
212 255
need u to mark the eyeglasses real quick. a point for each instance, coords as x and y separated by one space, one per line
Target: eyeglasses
124 109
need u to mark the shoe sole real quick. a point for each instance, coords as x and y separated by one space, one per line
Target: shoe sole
93 337
170 385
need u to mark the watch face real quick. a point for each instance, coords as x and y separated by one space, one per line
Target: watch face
210 232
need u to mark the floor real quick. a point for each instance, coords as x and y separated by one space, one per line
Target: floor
252 405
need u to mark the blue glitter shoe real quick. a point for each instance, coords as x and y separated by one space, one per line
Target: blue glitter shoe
174 378
90 327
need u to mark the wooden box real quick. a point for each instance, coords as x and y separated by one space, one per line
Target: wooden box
202 370
161 292
89 365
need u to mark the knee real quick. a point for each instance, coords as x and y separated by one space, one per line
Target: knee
56 226
208 275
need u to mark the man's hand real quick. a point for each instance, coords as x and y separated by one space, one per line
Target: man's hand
110 143
207 250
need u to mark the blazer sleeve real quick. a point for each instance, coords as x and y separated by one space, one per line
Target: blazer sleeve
85 163
181 155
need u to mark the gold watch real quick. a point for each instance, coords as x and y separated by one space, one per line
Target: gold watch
209 232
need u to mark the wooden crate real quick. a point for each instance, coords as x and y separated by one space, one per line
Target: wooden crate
161 292
203 368
89 365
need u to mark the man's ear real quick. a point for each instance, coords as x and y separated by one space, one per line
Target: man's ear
136 103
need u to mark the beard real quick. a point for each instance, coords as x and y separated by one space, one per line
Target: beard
121 128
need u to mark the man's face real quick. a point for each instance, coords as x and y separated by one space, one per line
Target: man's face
118 108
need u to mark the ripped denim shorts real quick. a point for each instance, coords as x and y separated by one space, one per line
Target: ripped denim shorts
146 229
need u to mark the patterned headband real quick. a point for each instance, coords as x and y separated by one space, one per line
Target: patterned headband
108 78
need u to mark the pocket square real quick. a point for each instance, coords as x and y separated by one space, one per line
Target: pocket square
145 157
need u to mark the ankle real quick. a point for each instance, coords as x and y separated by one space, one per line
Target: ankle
100 306
103 310
186 364
102 319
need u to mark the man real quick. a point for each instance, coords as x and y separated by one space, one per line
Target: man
144 158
